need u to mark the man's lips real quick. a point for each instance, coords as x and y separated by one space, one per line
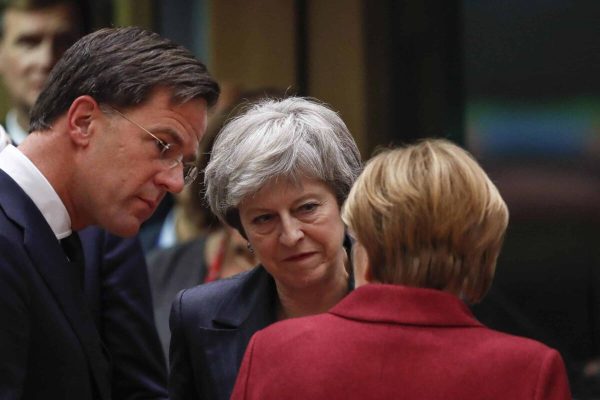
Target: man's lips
150 203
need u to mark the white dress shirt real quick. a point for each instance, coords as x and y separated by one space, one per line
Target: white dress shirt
37 187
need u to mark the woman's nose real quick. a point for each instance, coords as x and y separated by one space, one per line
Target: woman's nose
291 231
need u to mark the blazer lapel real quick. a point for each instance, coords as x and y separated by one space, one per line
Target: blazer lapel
254 296
49 259
249 308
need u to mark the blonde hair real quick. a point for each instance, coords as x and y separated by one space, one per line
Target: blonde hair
429 216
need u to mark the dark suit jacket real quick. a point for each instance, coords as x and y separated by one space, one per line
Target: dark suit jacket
49 345
118 294
211 325
394 342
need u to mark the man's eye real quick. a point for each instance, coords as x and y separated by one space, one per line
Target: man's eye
160 146
28 42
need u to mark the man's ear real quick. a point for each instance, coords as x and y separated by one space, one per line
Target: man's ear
79 118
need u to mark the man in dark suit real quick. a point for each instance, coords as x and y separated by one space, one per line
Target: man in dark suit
33 35
118 295
111 133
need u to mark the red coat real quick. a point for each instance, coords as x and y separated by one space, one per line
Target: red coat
396 342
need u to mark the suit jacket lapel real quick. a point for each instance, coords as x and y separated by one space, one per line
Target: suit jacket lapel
255 296
49 259
250 308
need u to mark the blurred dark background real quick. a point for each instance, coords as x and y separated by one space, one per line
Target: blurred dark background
516 82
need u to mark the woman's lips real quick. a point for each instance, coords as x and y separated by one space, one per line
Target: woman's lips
299 256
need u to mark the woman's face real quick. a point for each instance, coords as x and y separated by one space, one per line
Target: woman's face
296 231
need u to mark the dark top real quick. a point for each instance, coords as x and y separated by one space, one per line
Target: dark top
171 270
211 326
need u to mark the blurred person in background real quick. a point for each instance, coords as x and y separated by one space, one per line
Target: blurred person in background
4 138
33 36
278 173
428 227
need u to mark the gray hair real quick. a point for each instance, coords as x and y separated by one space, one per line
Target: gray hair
290 139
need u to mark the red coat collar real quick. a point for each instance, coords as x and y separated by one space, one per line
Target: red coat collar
405 305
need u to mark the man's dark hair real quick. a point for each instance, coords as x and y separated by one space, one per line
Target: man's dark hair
121 67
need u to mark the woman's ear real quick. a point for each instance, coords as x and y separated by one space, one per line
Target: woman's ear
79 118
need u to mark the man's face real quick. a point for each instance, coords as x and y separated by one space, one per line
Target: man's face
123 178
32 43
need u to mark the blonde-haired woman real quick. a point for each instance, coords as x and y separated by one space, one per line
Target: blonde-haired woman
428 225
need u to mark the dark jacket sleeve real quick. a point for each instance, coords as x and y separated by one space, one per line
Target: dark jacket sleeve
126 319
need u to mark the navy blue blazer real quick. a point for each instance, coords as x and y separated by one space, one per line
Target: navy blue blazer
117 301
211 326
118 294
49 345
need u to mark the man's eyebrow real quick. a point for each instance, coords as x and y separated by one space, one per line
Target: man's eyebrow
170 132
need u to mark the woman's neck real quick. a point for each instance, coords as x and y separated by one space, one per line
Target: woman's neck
300 302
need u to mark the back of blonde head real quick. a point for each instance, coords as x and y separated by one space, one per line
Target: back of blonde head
428 216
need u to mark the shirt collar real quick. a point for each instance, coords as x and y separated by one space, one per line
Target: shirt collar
37 187
15 131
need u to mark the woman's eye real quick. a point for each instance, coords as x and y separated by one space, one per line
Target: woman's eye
261 219
308 207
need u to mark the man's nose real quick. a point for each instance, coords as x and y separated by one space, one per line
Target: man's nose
171 179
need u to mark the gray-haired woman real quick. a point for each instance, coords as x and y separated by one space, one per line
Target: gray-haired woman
279 173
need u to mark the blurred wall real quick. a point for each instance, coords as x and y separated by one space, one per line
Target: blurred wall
311 48
393 69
